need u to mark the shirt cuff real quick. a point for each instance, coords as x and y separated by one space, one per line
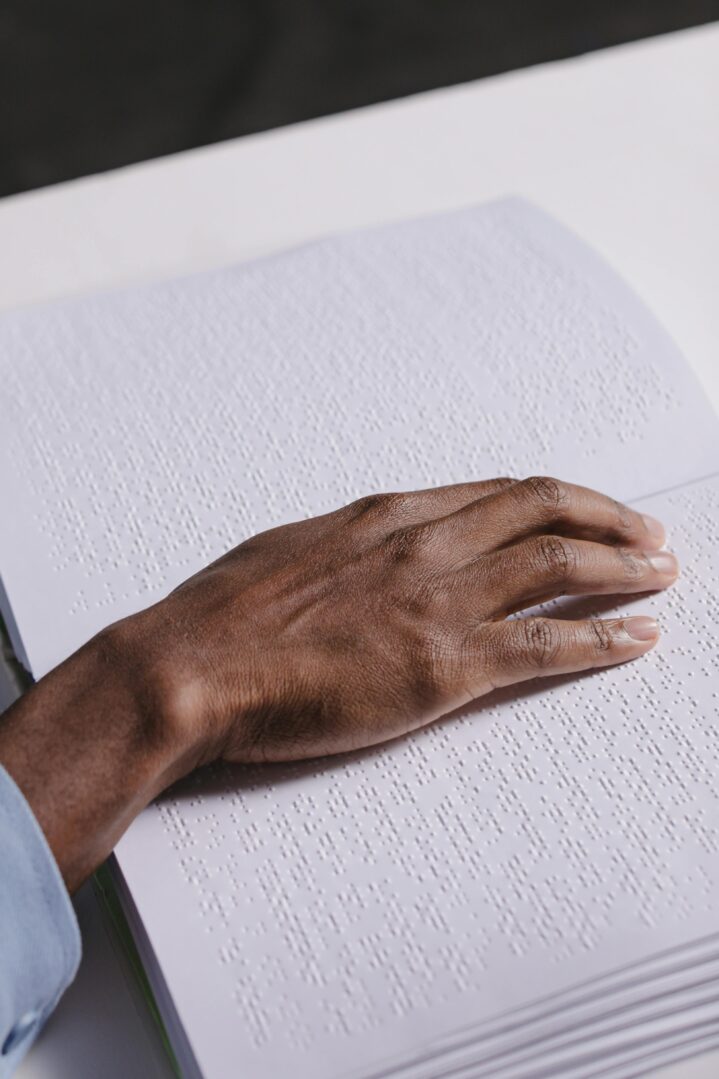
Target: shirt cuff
39 934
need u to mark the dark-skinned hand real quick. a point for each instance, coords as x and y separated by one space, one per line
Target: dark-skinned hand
331 634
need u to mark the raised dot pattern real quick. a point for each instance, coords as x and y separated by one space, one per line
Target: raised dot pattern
151 431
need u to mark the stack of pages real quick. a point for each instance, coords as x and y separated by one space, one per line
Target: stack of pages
527 888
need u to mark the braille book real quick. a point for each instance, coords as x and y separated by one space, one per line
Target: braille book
529 887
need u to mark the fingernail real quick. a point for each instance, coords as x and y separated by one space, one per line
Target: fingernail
641 628
664 562
655 528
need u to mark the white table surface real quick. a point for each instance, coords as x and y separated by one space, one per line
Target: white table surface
623 145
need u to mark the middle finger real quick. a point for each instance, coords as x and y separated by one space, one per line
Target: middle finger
541 568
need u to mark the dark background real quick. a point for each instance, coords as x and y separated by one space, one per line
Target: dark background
87 85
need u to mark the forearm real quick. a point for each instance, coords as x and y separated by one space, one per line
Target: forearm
89 748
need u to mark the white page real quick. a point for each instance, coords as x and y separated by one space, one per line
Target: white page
145 433
149 432
568 1017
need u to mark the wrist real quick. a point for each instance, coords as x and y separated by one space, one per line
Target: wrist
171 679
89 748
163 703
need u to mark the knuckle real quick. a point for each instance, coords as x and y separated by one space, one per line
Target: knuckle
432 653
548 493
541 641
625 519
601 635
411 543
370 505
633 567
395 504
419 598
405 544
556 557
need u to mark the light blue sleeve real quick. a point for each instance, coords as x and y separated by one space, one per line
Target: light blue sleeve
39 935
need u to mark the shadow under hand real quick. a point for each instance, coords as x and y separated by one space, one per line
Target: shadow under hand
224 779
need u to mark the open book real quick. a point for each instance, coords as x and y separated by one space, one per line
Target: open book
529 887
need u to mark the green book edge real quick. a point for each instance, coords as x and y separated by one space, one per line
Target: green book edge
107 894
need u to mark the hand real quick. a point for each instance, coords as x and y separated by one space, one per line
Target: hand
327 635
348 629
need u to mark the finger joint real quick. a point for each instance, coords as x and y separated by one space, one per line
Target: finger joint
541 640
407 544
377 505
549 494
601 635
557 557
634 566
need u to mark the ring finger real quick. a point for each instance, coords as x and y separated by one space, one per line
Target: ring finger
541 568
